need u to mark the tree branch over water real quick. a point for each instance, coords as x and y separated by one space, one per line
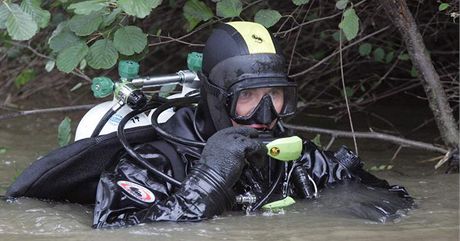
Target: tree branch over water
47 110
370 135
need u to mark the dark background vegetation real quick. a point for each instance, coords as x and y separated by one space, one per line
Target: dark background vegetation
308 35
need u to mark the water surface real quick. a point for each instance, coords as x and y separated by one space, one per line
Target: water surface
436 218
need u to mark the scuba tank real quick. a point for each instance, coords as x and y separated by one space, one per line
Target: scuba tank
128 95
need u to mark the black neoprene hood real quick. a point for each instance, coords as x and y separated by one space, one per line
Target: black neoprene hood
239 55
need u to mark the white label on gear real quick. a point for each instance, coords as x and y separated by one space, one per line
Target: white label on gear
137 191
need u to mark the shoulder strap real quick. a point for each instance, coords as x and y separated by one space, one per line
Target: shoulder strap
177 165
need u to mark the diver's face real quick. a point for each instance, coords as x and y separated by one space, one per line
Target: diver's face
250 98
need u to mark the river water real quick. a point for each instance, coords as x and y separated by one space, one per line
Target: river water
437 195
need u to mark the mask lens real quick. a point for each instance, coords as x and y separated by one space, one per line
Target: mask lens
245 101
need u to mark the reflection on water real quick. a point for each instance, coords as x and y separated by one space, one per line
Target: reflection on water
437 195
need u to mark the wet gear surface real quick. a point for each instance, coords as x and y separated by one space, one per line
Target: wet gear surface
205 191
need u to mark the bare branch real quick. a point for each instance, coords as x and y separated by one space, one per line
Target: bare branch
47 110
370 135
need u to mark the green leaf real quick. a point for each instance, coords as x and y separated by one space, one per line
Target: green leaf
413 72
20 25
40 16
196 11
336 36
62 37
379 54
50 65
62 40
69 58
361 87
166 90
88 7
229 8
389 57
341 4
3 150
403 57
365 49
109 18
317 140
4 13
349 91
373 168
24 77
84 25
138 8
64 132
322 35
350 24
102 54
319 55
267 17
312 16
129 40
300 2
443 6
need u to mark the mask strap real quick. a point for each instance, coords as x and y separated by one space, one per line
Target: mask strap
211 88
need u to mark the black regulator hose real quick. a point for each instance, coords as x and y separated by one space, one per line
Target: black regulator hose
102 122
135 155
272 188
168 136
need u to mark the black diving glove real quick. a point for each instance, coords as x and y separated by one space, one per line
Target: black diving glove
228 151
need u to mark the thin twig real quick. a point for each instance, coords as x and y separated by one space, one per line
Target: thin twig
297 39
345 95
370 135
178 41
396 153
337 51
47 110
313 21
75 72
183 36
330 143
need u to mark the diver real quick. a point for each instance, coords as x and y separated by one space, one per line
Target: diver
245 95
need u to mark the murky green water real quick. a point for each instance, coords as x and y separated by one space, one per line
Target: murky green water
437 195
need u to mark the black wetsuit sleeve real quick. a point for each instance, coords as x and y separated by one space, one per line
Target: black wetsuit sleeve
128 195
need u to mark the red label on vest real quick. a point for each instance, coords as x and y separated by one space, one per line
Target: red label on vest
137 191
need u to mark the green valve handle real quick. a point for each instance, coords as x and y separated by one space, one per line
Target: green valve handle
194 61
277 205
285 149
102 87
128 69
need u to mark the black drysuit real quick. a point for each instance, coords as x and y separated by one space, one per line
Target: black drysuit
127 194
97 170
